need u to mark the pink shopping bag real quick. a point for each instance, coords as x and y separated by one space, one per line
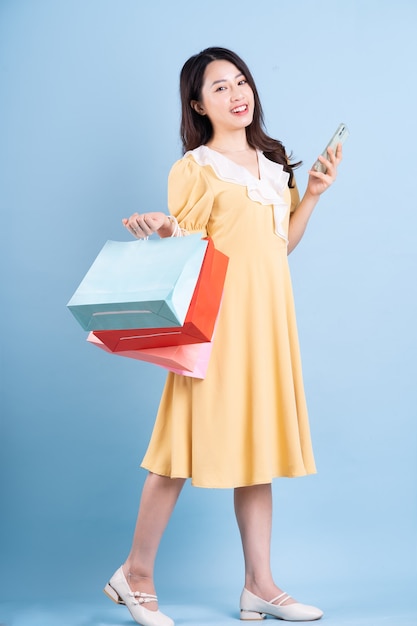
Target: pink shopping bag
187 360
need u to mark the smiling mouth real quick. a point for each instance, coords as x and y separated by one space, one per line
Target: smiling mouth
242 109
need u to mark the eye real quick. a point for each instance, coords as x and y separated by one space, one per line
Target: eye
242 82
221 88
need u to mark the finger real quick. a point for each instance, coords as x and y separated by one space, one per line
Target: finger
324 160
329 163
334 160
129 221
339 153
135 231
331 155
144 224
331 159
132 230
134 227
335 156
317 175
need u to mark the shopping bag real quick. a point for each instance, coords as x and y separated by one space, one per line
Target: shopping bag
140 284
189 360
199 322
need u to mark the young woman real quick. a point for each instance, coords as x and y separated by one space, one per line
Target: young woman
246 422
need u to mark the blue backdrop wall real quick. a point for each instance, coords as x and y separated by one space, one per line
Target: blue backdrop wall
89 117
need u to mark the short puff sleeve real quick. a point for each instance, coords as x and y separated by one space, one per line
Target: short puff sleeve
190 198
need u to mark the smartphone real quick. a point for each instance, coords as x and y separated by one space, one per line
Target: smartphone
340 136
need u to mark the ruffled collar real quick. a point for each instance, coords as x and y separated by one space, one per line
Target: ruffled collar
268 189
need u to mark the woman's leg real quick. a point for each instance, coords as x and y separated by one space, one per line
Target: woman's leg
159 496
253 507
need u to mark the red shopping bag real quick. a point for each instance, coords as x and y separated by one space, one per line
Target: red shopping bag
200 319
188 360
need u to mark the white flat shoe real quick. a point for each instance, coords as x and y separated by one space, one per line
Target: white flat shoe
118 590
254 608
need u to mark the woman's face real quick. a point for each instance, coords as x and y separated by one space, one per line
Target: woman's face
226 97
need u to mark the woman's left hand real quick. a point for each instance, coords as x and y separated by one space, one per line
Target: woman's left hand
319 182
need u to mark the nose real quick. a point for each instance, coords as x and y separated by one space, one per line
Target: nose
237 93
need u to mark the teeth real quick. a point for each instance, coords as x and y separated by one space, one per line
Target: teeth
239 109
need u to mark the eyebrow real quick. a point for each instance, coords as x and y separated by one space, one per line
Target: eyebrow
223 80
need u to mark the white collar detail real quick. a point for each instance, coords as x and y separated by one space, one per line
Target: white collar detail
269 189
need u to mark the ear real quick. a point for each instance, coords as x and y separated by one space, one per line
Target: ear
198 108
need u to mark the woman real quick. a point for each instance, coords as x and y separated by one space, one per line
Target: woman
247 422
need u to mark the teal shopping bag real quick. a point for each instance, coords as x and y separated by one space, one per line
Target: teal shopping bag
140 284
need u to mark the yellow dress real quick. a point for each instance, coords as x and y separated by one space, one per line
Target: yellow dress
247 421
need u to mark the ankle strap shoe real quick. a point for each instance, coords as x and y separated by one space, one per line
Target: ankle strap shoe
254 608
118 590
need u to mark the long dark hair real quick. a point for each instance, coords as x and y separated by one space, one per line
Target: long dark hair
196 130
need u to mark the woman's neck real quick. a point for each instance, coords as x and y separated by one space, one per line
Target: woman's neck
229 150
229 143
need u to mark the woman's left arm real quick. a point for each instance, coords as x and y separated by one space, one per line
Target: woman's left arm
317 184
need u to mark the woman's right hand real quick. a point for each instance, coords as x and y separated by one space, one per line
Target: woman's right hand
144 224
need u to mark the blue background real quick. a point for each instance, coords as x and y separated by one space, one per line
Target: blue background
89 120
